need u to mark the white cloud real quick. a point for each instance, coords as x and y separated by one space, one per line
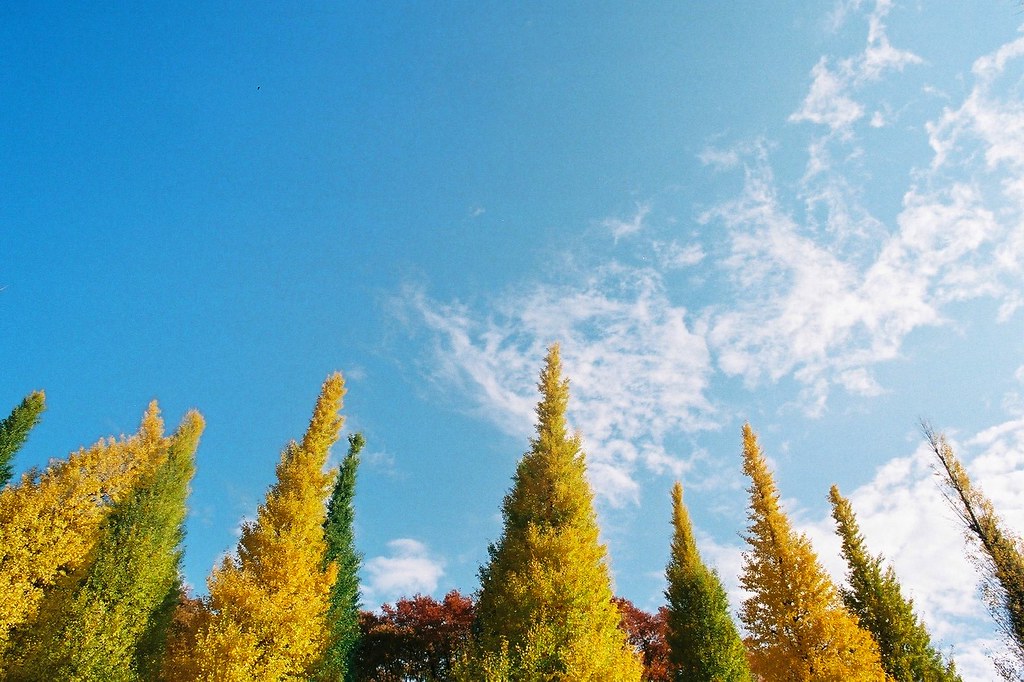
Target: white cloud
809 310
830 99
624 228
827 102
673 256
997 122
720 159
408 569
904 516
639 371
826 305
879 55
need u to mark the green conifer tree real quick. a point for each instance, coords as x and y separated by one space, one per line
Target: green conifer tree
109 621
14 430
1002 552
799 629
339 533
704 645
545 610
875 597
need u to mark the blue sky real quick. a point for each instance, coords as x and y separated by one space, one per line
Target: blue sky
806 218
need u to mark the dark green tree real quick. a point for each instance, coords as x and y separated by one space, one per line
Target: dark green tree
343 616
109 621
14 430
704 645
875 597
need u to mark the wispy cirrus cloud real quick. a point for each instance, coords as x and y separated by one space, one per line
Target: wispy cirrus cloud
825 302
816 313
830 100
619 227
904 517
639 369
986 116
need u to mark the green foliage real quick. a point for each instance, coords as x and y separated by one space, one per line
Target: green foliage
15 428
50 522
109 620
702 638
1001 561
545 610
343 616
874 596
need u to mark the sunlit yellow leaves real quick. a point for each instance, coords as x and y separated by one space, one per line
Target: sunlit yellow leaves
49 522
268 605
798 628
546 609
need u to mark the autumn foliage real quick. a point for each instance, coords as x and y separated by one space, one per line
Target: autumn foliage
90 583
799 629
268 604
545 609
417 638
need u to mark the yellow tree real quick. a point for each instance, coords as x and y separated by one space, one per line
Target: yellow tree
108 621
1001 561
267 609
798 628
545 610
49 522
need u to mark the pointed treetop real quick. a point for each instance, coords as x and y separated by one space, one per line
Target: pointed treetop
854 549
15 428
554 399
326 422
683 544
756 467
875 597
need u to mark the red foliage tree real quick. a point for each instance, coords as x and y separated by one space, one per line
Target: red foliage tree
414 639
646 633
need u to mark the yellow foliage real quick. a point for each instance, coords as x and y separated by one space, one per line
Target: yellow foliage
799 629
49 523
268 606
545 609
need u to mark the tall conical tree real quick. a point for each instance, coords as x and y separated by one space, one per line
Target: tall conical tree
339 533
875 597
704 645
1002 552
14 430
268 606
109 622
49 522
799 628
545 610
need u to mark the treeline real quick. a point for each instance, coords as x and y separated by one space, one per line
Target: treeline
91 589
